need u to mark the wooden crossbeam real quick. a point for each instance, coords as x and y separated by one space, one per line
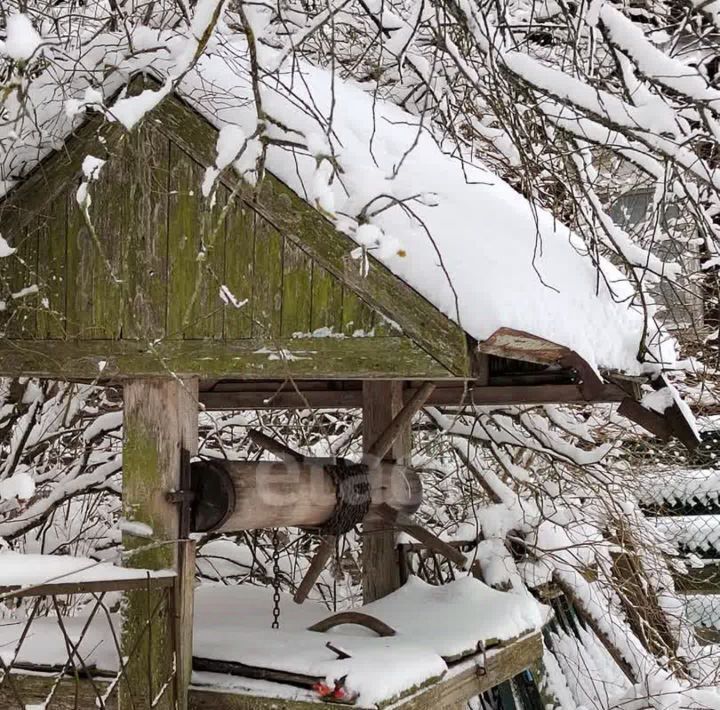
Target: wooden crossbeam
445 394
284 453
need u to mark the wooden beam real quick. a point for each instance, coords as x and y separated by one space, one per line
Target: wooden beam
160 421
284 453
117 360
446 394
321 557
382 401
93 587
184 603
419 533
650 421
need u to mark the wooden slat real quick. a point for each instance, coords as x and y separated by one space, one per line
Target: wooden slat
20 272
196 239
268 270
94 587
327 300
296 290
239 268
52 243
96 251
357 316
145 241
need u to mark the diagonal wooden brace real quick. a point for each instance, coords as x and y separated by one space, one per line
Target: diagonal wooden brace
322 555
384 442
284 453
421 534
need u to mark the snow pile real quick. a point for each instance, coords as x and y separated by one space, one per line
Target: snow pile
21 486
457 615
22 38
433 624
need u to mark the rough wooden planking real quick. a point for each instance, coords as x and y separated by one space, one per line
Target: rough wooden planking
309 230
151 260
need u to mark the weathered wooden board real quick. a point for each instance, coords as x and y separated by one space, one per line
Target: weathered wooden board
22 690
253 358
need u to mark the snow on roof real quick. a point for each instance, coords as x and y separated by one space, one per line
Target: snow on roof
458 234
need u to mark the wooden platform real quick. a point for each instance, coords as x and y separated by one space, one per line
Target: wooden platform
463 681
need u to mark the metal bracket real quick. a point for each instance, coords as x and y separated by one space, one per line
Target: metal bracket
184 497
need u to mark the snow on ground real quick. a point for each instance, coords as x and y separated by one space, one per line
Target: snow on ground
458 234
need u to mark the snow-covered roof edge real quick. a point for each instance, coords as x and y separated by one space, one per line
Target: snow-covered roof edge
459 235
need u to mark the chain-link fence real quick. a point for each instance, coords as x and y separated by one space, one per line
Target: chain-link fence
683 506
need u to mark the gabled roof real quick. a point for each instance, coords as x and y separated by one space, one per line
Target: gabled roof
460 236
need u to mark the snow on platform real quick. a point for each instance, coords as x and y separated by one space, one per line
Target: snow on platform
18 570
435 626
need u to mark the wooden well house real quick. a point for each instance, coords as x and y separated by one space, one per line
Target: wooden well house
255 302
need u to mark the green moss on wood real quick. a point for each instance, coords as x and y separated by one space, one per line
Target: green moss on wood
387 358
134 273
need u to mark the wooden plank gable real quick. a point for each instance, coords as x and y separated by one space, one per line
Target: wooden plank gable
152 264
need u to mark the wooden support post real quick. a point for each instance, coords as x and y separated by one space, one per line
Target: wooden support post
382 401
160 432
